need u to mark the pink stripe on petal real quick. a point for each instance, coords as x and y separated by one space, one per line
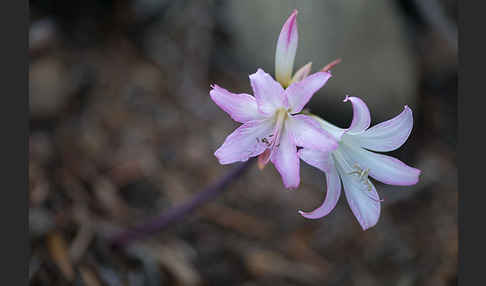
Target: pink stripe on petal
286 49
241 107
388 135
361 115
269 94
299 93
244 142
332 196
286 161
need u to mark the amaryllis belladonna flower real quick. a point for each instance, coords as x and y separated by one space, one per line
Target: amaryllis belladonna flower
352 162
272 127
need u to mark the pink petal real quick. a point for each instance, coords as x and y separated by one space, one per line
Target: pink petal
363 201
286 161
315 158
332 195
335 131
269 94
302 73
381 167
277 131
307 133
388 135
361 115
244 142
286 49
241 107
299 93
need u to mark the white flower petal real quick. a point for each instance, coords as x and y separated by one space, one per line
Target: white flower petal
361 195
381 167
361 115
307 133
286 49
320 160
335 131
388 135
332 196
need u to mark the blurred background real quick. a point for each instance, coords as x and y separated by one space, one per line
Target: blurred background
122 128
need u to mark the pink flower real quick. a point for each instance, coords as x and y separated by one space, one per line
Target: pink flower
352 163
271 123
272 127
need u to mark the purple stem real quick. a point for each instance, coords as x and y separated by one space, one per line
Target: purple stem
177 213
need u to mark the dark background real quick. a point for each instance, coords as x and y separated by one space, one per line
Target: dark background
122 128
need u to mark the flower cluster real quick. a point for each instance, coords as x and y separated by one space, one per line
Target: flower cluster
274 129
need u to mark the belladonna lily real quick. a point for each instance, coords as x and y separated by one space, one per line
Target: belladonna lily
352 162
272 128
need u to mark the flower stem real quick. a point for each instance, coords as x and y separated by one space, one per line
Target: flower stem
177 213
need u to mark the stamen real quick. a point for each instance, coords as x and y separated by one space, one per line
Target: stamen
363 176
272 141
267 142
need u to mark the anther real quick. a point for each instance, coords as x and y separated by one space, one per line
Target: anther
363 176
265 140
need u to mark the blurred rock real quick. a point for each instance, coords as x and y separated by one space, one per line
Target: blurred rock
370 37
42 35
